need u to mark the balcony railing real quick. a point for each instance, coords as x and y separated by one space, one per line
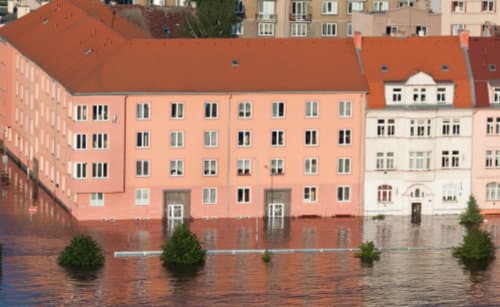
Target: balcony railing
265 17
300 17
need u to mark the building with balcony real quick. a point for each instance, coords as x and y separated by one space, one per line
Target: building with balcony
418 125
197 129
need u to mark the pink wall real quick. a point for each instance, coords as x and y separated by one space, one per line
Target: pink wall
481 176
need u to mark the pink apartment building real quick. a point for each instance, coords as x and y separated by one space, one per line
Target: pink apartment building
118 125
485 64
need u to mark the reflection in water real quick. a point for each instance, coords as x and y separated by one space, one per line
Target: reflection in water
32 242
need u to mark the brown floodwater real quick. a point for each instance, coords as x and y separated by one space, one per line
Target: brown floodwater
32 241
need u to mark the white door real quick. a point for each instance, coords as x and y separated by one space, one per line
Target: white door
276 210
175 212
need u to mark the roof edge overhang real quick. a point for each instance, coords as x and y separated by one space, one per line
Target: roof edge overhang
158 93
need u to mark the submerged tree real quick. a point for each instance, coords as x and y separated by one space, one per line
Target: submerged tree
472 216
183 248
477 249
212 18
82 252
368 252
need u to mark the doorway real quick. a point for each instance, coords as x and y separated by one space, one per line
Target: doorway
416 213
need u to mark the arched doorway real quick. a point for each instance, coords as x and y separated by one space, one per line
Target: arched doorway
417 194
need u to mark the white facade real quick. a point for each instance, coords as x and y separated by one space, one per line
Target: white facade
417 157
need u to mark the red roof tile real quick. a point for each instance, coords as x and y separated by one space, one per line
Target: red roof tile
483 52
407 56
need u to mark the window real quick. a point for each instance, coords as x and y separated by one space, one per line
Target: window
100 112
245 109
210 138
329 8
345 137
396 94
80 113
176 168
329 29
311 138
345 109
488 6
446 127
278 109
210 110
266 29
456 127
349 29
489 159
391 30
420 160
80 171
277 167
355 6
496 95
419 94
177 110
310 194
343 193
100 170
80 141
441 95
493 191
421 30
100 141
406 3
384 194
243 195
142 111
278 138
386 127
420 127
312 109
457 28
457 6
380 6
299 10
451 127
177 139
142 168
298 29
142 197
311 166
142 139
97 199
244 167
384 161
490 125
450 192
244 138
210 167
209 196
344 165
450 159
237 29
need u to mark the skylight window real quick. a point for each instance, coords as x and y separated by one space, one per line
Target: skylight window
235 63
88 51
444 67
384 68
492 67
45 21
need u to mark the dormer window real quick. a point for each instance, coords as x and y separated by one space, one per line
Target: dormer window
396 94
496 95
441 95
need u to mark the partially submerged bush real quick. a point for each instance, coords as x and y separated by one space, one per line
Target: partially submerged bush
82 252
183 248
472 216
378 217
368 252
477 249
266 257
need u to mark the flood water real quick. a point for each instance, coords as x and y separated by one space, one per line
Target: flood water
32 241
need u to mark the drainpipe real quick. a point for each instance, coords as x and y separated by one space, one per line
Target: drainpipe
228 160
125 140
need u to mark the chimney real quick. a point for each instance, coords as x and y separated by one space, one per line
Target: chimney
464 39
357 40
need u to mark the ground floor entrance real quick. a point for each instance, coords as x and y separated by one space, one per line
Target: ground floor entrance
416 213
176 206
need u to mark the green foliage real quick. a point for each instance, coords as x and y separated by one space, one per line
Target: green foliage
183 248
212 19
82 252
368 252
477 248
471 217
266 257
378 217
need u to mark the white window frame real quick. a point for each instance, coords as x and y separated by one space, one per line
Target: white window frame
312 109
209 196
311 137
329 7
355 6
298 29
384 194
210 167
345 137
493 191
496 95
80 170
488 6
177 139
243 167
310 194
345 109
419 160
80 113
210 138
456 28
342 190
142 139
100 141
450 192
176 168
210 110
278 138
344 165
96 199
176 110
80 141
266 29
142 168
100 170
278 109
245 193
311 166
329 29
277 166
245 110
100 112
143 111
381 6
349 29
244 138
458 6
142 196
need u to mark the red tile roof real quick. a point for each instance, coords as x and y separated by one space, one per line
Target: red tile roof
73 42
407 56
483 52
